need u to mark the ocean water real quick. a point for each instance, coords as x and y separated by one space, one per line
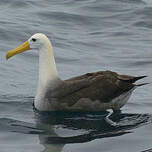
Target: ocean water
87 36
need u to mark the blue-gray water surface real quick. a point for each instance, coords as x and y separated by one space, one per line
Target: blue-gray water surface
87 36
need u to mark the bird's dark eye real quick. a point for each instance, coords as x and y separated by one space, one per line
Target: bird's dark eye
33 39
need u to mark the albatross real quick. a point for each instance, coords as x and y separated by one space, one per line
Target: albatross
97 91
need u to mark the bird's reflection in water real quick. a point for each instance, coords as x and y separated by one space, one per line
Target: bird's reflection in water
56 129
70 127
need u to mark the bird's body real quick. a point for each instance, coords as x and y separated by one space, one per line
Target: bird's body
96 91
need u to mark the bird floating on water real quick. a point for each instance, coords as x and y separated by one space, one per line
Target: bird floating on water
96 91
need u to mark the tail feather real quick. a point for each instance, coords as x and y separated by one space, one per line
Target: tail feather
132 79
138 78
141 84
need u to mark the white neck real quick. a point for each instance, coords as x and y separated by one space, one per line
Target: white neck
48 75
47 68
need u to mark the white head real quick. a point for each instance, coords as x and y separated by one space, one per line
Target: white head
40 42
37 41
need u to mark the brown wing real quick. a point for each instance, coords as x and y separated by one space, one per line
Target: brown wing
103 86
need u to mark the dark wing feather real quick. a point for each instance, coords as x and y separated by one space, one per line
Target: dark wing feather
103 86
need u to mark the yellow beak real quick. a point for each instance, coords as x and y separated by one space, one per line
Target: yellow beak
25 46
